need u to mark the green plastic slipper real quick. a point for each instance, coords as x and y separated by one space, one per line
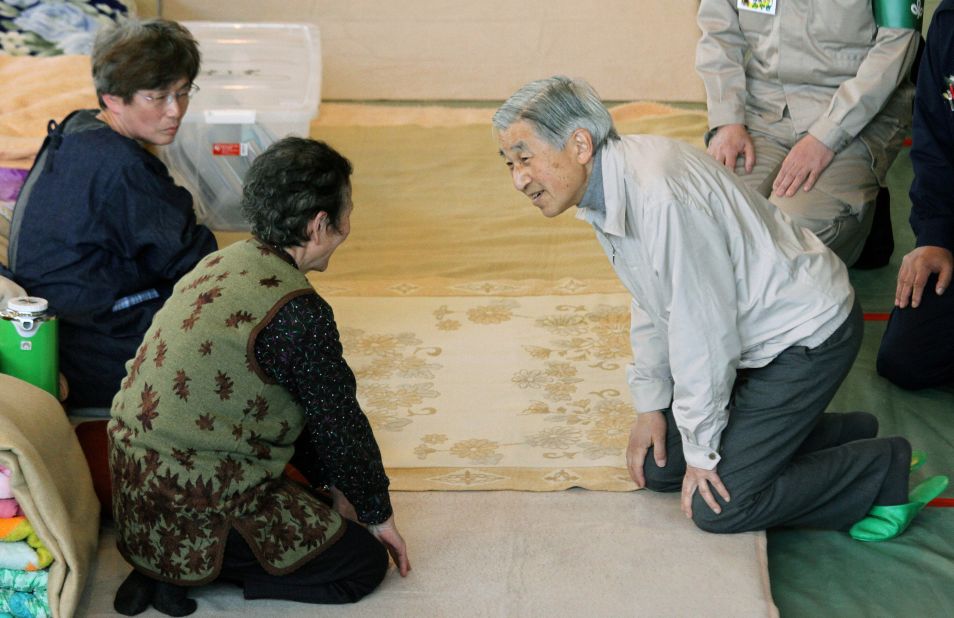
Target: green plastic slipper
887 522
917 459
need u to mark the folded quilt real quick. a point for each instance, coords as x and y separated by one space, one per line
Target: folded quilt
24 581
23 594
51 482
14 529
17 604
20 556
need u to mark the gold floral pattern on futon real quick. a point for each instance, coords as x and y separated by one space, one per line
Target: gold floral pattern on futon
394 376
573 338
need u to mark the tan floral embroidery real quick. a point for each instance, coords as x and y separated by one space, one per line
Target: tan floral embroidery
376 345
555 438
443 323
380 397
570 342
560 391
493 313
611 432
477 450
388 368
564 324
530 378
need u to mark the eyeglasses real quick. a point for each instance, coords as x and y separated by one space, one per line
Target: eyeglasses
162 100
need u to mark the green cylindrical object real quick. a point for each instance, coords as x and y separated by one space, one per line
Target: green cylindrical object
29 347
899 13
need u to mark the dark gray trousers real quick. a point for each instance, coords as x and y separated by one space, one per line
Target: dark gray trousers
783 460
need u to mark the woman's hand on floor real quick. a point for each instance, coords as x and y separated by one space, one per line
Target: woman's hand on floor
387 533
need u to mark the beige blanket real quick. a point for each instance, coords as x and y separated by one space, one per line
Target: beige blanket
52 483
36 90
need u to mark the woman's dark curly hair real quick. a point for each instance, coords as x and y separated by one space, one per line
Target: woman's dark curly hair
290 183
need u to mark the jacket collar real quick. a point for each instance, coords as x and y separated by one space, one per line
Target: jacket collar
611 169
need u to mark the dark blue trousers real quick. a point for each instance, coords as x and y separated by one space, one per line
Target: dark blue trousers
917 350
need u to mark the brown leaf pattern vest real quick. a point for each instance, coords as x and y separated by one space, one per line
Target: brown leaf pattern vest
199 436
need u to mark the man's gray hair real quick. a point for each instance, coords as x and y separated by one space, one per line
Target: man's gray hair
555 107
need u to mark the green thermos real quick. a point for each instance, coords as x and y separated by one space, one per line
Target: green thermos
29 343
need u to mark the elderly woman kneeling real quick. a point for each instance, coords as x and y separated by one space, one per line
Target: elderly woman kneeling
240 374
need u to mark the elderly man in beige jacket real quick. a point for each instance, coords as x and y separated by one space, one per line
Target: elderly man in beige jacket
809 101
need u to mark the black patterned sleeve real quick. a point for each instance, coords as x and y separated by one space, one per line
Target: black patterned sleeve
301 350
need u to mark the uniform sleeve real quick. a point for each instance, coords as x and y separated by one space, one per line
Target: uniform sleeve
650 382
156 225
858 100
301 350
932 151
720 62
693 265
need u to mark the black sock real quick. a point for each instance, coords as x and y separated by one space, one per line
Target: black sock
139 591
173 600
134 595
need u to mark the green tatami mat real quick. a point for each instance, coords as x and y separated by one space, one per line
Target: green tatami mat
819 573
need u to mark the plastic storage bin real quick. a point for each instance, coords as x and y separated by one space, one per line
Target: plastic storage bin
258 82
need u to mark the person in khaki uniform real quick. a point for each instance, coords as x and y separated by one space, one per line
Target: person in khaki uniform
809 101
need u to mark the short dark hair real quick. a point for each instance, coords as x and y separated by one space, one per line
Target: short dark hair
289 184
143 55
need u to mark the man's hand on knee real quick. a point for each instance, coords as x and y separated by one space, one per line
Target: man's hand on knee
916 267
730 141
649 430
703 481
801 168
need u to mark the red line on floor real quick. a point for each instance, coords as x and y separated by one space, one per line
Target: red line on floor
943 502
876 317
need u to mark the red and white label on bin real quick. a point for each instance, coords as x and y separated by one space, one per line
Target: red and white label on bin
230 149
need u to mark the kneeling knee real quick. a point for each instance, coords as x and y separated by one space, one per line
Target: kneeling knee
707 520
901 370
661 479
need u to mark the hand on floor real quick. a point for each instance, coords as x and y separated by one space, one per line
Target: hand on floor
387 533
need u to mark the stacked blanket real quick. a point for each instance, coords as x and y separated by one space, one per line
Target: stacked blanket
23 560
20 548
23 594
50 481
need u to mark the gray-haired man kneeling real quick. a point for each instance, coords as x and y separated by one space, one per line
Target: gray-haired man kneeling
743 327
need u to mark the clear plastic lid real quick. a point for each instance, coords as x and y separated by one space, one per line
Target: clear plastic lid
266 67
28 305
